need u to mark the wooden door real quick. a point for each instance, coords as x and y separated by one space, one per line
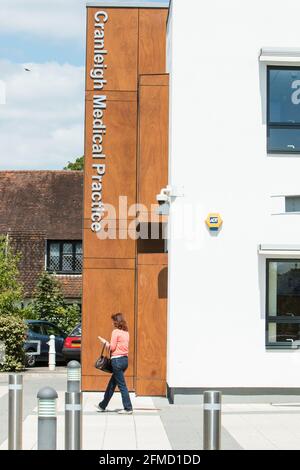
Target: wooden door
151 325
112 291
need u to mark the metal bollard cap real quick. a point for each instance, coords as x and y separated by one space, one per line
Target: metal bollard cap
74 365
212 396
47 393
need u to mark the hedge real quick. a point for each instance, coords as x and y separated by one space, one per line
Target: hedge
13 334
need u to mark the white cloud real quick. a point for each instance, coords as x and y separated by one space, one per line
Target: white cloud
57 19
41 124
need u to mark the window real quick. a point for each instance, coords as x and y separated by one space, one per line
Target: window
35 328
292 204
64 257
283 302
283 129
53 330
76 331
152 238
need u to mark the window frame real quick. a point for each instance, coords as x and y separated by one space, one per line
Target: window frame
60 270
276 319
277 125
286 204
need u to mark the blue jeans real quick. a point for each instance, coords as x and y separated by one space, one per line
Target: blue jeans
119 365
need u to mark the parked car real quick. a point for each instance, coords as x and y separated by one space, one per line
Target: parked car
38 335
72 345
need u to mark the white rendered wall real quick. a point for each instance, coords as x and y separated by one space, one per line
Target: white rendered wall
216 331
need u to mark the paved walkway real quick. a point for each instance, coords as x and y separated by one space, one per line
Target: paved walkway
247 422
105 431
264 426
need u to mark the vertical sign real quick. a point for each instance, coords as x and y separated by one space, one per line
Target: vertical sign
98 76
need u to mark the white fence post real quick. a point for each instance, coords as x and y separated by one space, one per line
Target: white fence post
52 353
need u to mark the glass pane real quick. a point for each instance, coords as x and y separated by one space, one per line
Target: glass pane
284 288
35 328
67 248
67 263
282 139
292 204
78 263
78 248
67 259
284 95
54 257
52 330
78 257
283 332
76 331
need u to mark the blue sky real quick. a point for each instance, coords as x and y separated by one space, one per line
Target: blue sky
42 119
23 47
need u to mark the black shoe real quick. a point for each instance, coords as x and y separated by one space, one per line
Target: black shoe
100 409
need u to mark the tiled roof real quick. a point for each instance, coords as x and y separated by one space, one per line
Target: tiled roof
71 286
47 201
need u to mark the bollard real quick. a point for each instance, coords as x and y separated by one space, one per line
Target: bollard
73 420
15 410
52 353
47 421
73 377
212 420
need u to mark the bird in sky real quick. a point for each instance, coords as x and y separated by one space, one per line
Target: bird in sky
27 70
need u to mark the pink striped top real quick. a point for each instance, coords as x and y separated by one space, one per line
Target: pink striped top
119 343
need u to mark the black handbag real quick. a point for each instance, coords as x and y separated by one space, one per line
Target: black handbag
103 363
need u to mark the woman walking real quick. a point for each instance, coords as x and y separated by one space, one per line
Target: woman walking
118 346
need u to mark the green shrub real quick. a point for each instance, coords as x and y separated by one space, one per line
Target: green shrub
13 334
10 287
66 317
28 312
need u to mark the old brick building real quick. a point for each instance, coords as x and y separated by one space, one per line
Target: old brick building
41 212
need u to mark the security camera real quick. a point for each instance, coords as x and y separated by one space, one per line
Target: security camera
162 198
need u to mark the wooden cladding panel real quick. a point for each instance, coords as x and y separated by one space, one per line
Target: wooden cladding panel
115 224
153 142
119 146
121 43
154 259
151 329
94 247
108 263
152 40
150 387
105 291
154 80
113 95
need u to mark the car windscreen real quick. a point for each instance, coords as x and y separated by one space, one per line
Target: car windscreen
76 331
53 330
35 328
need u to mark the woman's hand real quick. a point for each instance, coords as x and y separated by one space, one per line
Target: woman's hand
103 341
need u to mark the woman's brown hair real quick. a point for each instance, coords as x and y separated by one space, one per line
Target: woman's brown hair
119 321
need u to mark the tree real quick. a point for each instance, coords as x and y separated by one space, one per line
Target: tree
77 165
10 287
49 304
12 327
